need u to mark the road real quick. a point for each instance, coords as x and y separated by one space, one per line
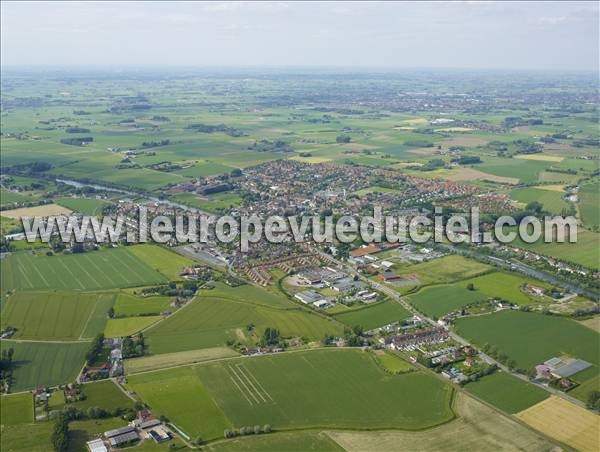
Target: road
396 297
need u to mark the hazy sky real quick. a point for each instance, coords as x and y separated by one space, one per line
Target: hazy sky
536 35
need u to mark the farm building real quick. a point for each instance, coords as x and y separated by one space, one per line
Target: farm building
309 297
121 436
96 445
564 368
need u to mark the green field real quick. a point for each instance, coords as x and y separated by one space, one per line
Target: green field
129 305
370 317
439 300
129 325
85 206
31 437
96 270
506 286
45 364
223 314
589 205
180 395
552 200
531 338
445 269
506 392
56 315
164 261
103 394
583 252
258 391
279 441
16 409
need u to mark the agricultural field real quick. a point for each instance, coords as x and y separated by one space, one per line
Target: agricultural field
129 325
589 195
256 391
162 260
373 316
583 252
553 201
546 336
127 305
507 286
85 206
391 362
477 427
103 394
506 392
565 422
16 409
445 269
221 314
26 437
96 270
56 315
155 362
45 364
37 211
439 300
276 442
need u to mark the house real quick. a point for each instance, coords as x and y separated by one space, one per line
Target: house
309 277
386 264
539 291
389 275
96 445
346 285
364 250
322 304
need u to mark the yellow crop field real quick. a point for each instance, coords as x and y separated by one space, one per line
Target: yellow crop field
37 211
565 422
540 157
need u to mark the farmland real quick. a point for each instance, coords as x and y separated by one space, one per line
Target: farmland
293 441
98 270
86 206
255 391
444 269
56 315
546 336
370 317
155 362
105 395
129 325
477 427
506 392
161 260
130 305
439 300
564 422
223 314
16 409
39 363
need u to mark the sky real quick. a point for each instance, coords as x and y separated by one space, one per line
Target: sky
467 34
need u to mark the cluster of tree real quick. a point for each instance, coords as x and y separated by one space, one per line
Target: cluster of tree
343 139
6 358
81 112
499 356
154 144
431 165
271 336
515 121
593 400
60 434
479 374
236 172
467 160
77 130
95 349
186 289
419 144
159 118
270 146
133 347
256 430
79 141
353 336
208 128
32 168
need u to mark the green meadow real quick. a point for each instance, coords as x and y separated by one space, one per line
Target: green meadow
45 364
373 316
545 336
207 398
95 270
56 315
506 392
